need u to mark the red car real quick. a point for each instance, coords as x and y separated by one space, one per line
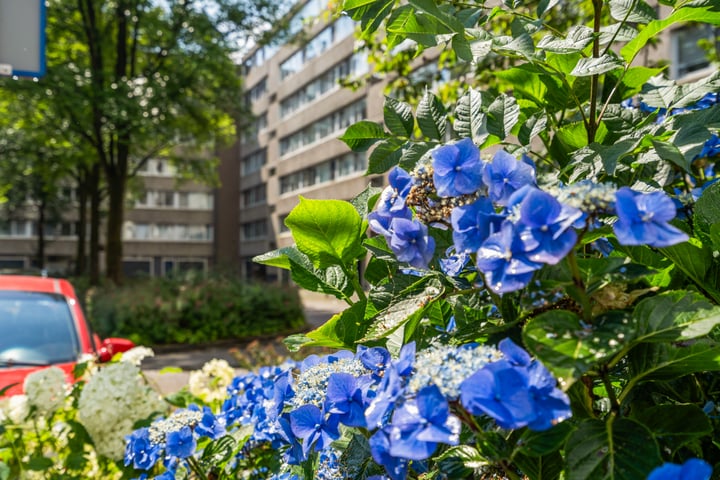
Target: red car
42 324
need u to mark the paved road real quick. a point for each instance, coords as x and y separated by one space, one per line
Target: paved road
318 309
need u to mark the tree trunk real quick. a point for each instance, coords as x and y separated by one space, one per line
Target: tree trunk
40 254
94 186
80 247
116 216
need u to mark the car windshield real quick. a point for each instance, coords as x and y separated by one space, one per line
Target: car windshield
36 329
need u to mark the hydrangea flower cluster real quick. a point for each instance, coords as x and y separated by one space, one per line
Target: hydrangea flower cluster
46 389
502 219
405 407
110 404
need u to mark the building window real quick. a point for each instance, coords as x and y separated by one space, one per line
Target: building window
250 131
171 266
158 168
324 172
254 196
355 65
16 228
167 232
253 162
256 92
687 56
254 230
282 228
137 267
324 127
321 42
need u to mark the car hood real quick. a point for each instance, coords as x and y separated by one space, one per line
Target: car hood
13 378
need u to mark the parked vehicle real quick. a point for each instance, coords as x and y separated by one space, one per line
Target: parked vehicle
42 324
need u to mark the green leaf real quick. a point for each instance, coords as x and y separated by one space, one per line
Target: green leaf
674 316
370 13
569 347
408 304
431 116
586 67
39 463
329 232
362 135
331 280
278 258
707 215
634 11
532 128
357 458
5 471
503 113
548 467
618 32
412 152
365 200
519 46
660 361
695 261
675 425
470 120
668 151
616 449
398 117
682 15
467 456
385 155
219 451
171 370
340 331
578 37
537 444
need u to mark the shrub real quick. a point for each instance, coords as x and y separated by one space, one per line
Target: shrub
193 309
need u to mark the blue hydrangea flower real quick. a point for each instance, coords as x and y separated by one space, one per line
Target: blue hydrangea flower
375 359
181 443
711 148
643 219
503 258
694 468
401 181
453 263
421 423
210 426
504 175
395 467
411 242
545 225
309 423
388 207
472 224
345 399
457 169
140 451
387 394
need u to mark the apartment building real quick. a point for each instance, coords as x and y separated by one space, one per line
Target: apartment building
291 148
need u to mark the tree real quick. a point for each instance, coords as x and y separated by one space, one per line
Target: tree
137 79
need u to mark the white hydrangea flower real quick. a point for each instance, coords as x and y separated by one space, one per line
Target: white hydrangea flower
17 408
211 382
46 389
136 355
110 404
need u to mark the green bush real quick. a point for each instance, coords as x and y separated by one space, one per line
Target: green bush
193 309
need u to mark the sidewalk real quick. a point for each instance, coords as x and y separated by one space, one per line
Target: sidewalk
318 309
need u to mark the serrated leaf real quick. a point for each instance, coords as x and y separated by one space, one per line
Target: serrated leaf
618 32
431 116
470 120
660 361
675 425
652 29
634 11
329 232
408 304
668 151
503 113
674 316
468 455
532 127
537 444
398 117
279 257
586 67
364 201
331 280
362 135
521 46
568 347
578 37
695 261
412 152
342 331
385 155
616 449
547 467
544 6
707 214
